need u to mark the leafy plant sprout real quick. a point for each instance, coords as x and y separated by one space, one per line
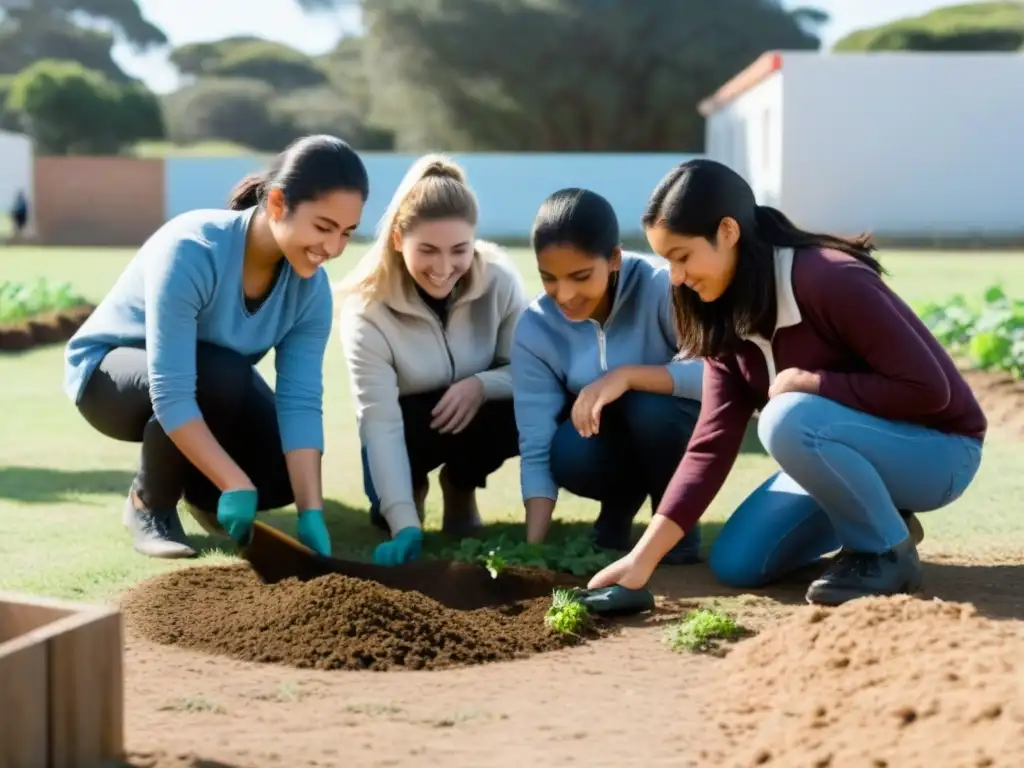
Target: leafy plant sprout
567 615
702 631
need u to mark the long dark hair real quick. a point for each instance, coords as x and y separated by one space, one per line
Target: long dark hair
691 200
305 170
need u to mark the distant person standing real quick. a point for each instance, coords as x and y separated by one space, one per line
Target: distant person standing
19 213
167 359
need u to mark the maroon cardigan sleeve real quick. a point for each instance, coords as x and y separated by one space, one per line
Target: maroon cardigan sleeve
726 407
905 378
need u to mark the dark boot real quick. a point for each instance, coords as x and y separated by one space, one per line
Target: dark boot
613 528
865 574
156 533
461 514
686 552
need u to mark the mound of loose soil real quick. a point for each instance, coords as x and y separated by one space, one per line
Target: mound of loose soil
880 682
340 622
51 328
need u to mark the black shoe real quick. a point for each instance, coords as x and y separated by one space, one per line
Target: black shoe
686 552
864 574
156 533
617 536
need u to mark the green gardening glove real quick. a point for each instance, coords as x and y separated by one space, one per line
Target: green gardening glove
313 531
236 512
407 545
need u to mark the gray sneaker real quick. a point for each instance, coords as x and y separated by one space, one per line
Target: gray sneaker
156 534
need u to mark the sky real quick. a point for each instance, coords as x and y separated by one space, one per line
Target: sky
188 21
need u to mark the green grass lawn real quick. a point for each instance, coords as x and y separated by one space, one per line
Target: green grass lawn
62 485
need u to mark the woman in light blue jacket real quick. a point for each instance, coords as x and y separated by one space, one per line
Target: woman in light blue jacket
603 406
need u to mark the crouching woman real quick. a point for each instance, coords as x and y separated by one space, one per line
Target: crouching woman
167 359
604 407
427 320
864 411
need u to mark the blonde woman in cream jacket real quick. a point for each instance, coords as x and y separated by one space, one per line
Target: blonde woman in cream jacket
427 320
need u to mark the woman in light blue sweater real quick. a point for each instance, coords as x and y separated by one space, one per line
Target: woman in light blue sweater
603 405
167 358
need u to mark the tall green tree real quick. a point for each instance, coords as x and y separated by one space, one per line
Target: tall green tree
563 75
277 65
72 110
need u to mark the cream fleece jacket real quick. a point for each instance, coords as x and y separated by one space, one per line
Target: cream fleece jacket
397 347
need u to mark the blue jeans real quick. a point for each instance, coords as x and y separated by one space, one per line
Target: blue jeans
642 440
846 475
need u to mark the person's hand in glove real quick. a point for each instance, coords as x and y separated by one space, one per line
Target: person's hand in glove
313 531
405 547
236 512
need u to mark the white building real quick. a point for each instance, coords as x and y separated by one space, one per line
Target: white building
901 144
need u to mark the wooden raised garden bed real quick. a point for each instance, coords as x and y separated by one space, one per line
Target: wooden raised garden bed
61 683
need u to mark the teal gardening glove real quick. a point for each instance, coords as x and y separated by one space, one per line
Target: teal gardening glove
236 512
313 531
406 546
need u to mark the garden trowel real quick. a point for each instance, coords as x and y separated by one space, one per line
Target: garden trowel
616 600
276 556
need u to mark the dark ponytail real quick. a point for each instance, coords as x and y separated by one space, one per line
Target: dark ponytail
776 228
248 192
308 168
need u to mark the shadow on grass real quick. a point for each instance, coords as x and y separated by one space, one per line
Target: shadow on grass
41 485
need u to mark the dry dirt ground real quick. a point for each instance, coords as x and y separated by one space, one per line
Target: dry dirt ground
908 682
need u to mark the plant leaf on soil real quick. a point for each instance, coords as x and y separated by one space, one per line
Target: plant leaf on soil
576 555
703 630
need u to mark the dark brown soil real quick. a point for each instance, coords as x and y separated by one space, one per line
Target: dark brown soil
341 622
275 557
51 328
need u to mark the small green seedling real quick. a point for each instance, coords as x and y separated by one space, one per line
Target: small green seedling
567 615
576 555
702 631
494 563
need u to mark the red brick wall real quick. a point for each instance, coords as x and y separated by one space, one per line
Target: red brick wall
98 201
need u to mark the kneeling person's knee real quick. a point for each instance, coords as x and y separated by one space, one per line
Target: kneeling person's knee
660 418
787 423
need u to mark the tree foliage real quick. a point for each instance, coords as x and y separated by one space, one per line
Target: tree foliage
227 109
277 92
278 65
563 75
69 109
968 27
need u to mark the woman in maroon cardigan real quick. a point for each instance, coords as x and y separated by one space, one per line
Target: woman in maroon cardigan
863 410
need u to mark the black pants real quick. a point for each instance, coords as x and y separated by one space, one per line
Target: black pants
237 405
469 457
